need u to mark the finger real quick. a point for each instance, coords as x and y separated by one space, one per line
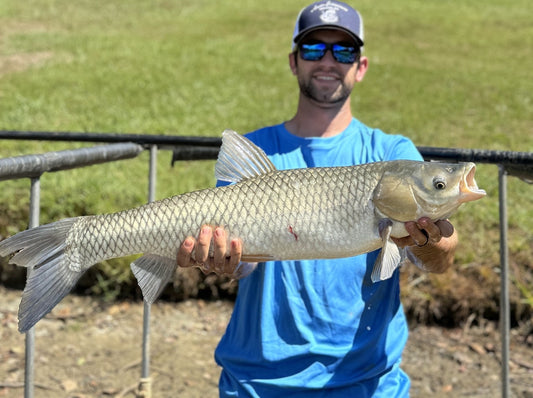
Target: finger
219 254
406 240
203 243
446 228
432 230
184 253
418 236
403 242
235 256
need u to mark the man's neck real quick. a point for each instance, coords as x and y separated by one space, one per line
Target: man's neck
313 120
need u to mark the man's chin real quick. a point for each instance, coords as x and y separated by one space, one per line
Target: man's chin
325 97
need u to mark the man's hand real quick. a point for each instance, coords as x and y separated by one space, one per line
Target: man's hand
424 232
224 260
431 245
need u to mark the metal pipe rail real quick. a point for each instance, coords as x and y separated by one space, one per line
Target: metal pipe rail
32 166
162 141
194 148
518 164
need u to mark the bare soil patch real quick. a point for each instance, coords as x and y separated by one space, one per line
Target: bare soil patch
21 61
18 61
86 348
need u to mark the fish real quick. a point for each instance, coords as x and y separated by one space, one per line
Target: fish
296 214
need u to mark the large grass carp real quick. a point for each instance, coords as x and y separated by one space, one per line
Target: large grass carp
312 213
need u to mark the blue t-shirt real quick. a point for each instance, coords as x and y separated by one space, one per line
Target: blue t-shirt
318 328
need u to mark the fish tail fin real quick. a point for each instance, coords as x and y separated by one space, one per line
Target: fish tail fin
50 278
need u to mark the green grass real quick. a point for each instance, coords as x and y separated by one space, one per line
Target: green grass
447 74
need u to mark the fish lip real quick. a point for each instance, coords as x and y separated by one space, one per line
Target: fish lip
468 188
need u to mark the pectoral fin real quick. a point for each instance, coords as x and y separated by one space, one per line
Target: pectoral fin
153 272
243 270
389 258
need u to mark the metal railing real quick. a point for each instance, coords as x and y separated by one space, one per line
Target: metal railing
518 164
33 166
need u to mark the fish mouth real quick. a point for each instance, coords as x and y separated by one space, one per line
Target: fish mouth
468 188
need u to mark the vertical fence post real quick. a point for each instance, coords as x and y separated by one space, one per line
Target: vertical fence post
505 322
145 386
152 178
35 199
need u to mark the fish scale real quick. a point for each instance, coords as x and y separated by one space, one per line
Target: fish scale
312 213
317 205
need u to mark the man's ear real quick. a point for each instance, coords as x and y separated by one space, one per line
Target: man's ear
293 62
361 69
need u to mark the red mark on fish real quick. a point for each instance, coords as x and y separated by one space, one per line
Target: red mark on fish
291 231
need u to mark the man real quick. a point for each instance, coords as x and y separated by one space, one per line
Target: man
320 328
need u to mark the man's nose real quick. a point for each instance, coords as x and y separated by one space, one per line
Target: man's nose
328 57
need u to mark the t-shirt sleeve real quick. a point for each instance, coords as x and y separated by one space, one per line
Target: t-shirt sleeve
403 148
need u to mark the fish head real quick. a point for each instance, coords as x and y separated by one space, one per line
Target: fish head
412 190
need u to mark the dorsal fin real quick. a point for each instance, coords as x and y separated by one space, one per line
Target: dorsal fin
239 158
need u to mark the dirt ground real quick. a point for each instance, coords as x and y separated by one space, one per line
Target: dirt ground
85 348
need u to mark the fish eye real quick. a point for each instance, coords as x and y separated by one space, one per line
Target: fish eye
439 183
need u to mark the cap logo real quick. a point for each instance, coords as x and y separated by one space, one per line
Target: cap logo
329 11
329 16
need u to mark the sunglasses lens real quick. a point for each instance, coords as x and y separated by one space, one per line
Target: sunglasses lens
341 53
312 52
344 54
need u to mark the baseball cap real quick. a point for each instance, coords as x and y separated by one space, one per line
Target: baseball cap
330 14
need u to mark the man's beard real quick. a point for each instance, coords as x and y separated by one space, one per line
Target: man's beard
308 89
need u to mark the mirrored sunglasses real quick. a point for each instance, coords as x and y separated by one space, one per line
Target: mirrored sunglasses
342 53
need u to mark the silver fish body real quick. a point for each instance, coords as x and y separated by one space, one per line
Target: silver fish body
278 214
288 214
